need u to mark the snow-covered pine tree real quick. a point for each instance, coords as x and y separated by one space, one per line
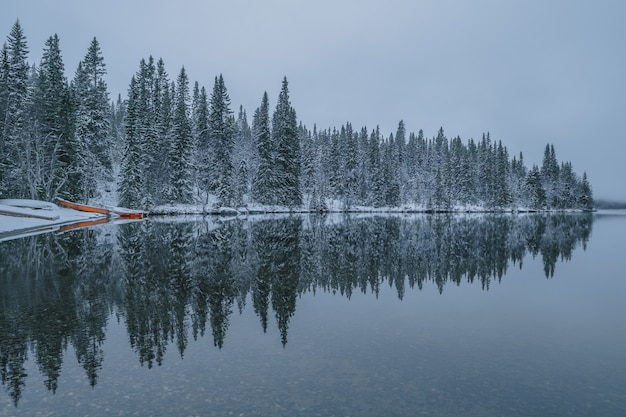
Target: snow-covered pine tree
222 131
335 164
375 181
550 177
203 152
55 117
243 155
285 138
92 122
181 152
116 121
68 151
351 166
263 184
151 148
501 194
485 168
15 75
568 186
585 199
535 190
130 191
517 177
390 171
163 102
362 160
308 149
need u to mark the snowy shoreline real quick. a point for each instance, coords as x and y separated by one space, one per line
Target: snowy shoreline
19 223
191 209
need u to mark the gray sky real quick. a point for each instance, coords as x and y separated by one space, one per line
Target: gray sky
527 71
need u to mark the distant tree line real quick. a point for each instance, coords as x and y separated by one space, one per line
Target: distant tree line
168 142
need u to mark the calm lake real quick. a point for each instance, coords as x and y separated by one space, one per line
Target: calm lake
473 315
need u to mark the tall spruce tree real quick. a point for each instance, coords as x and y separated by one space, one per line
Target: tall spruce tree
244 156
550 176
351 166
56 142
585 200
203 155
163 108
12 138
181 152
131 188
287 160
535 190
222 131
92 122
263 184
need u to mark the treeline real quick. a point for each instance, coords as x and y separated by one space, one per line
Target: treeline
170 282
55 135
169 142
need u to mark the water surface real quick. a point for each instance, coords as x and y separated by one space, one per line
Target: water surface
305 316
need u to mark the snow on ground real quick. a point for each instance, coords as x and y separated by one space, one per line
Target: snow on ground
18 224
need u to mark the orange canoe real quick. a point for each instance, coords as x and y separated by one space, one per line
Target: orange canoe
82 207
125 213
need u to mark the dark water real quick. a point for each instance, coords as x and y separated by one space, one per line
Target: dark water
303 316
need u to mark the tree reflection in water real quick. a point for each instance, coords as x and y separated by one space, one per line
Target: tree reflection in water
168 280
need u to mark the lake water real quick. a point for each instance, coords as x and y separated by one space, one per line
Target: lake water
477 315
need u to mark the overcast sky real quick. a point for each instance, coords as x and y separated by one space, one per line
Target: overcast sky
527 71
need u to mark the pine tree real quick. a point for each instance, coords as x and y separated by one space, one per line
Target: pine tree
116 121
375 180
263 184
131 187
163 102
222 130
12 140
56 137
148 142
309 153
203 156
550 177
585 200
181 150
92 122
351 166
501 195
391 183
285 138
334 163
534 189
244 154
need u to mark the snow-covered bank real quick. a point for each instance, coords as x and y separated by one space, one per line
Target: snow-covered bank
331 207
25 217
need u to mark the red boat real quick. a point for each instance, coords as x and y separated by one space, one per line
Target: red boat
82 207
126 213
113 212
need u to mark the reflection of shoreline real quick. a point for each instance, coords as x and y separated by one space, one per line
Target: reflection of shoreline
168 281
609 213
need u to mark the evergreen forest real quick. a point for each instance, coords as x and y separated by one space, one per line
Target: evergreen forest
173 142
